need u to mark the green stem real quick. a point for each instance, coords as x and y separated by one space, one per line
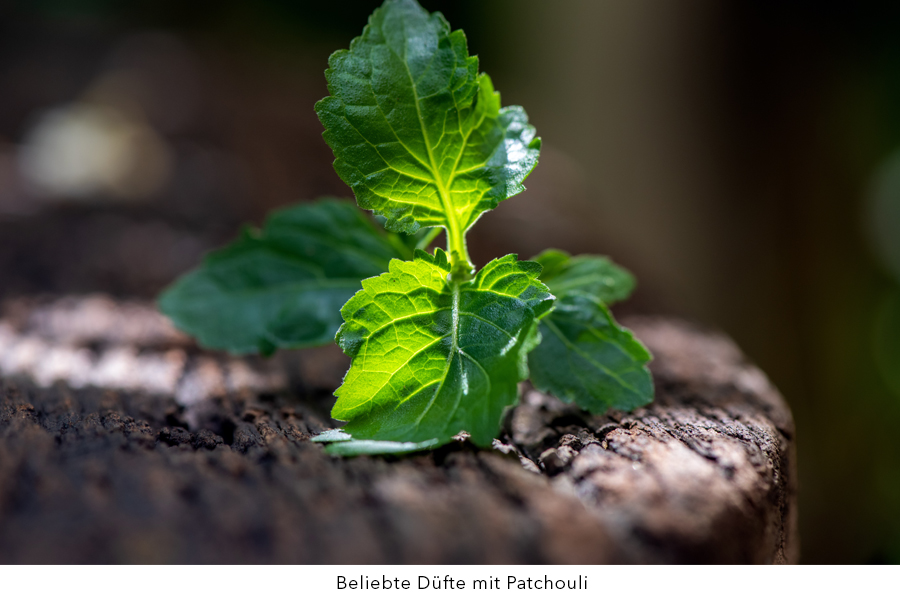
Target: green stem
461 267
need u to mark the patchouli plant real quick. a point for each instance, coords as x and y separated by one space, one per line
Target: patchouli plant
436 347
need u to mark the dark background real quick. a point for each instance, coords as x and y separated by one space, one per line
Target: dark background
738 157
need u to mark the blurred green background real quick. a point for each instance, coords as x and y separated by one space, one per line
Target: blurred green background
741 158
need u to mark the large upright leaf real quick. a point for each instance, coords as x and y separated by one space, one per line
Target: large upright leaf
431 357
417 133
283 286
584 355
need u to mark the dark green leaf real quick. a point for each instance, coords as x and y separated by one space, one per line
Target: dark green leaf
281 287
595 276
417 133
584 355
587 358
432 357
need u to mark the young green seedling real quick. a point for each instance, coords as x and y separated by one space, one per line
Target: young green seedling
436 346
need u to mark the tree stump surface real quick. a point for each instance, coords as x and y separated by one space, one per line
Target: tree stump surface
121 442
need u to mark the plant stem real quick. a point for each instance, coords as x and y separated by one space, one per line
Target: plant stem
461 267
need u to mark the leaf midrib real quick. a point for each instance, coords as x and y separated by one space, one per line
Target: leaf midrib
454 350
443 193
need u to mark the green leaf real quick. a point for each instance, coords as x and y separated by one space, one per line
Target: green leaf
417 133
421 239
283 286
595 276
584 355
587 358
432 357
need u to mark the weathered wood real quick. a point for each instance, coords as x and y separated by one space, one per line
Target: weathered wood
207 459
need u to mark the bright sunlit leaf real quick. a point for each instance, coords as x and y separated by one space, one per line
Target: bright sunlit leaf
432 357
417 132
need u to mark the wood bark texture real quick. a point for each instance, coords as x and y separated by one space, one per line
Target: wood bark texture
120 442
